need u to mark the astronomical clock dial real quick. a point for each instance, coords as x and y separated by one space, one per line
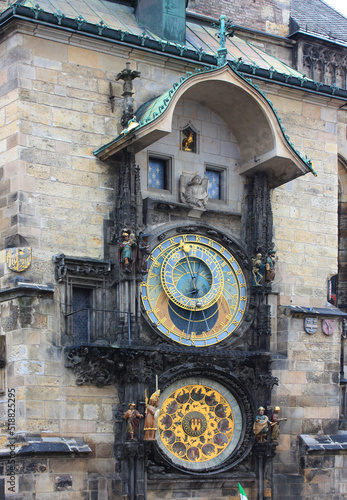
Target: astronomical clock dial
199 425
195 291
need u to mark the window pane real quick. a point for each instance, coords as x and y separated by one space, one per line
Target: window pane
214 184
81 319
156 173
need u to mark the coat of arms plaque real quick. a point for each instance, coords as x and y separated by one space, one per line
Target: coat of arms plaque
328 326
311 325
18 259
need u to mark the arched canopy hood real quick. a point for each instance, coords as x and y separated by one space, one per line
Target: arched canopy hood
244 108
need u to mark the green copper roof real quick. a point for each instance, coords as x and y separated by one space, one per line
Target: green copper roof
116 23
199 38
152 109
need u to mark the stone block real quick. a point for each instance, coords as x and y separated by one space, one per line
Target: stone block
311 110
3 77
77 428
104 450
329 114
52 496
43 393
83 57
77 82
43 483
34 409
59 90
63 147
63 482
47 75
80 482
90 412
36 113
69 176
63 466
57 189
66 119
101 465
293 377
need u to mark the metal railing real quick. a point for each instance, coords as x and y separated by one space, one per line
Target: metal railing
93 329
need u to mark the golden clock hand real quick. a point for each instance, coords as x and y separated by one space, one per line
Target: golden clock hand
186 249
191 272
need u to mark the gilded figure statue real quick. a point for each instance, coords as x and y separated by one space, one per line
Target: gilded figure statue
127 250
150 417
261 425
271 260
275 423
257 270
132 417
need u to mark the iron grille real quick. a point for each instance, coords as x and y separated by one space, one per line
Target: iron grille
81 303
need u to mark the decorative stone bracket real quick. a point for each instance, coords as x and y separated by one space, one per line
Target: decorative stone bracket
106 365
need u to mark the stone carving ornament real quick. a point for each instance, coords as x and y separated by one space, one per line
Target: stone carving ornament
194 192
325 65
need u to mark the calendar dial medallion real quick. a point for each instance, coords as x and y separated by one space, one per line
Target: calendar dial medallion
195 291
200 424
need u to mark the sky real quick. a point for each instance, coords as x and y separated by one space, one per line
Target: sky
339 5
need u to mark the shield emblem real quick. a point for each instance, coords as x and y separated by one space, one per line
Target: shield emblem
311 325
18 259
328 326
195 424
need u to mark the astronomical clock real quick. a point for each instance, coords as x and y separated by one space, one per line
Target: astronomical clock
195 300
195 292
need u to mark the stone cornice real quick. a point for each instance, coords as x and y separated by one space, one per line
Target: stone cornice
26 290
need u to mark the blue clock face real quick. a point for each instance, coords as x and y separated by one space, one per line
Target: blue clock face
192 277
195 291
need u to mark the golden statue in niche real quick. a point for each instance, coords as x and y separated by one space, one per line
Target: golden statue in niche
188 142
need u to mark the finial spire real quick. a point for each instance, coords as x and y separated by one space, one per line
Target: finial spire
226 29
127 75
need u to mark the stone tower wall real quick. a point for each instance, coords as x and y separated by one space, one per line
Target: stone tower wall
270 16
55 112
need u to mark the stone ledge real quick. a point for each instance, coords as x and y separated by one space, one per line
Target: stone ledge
316 311
171 206
314 443
48 445
25 290
183 482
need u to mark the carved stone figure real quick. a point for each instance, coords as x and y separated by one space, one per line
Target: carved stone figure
257 270
195 193
271 260
144 251
150 423
275 423
127 75
132 416
126 250
261 425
